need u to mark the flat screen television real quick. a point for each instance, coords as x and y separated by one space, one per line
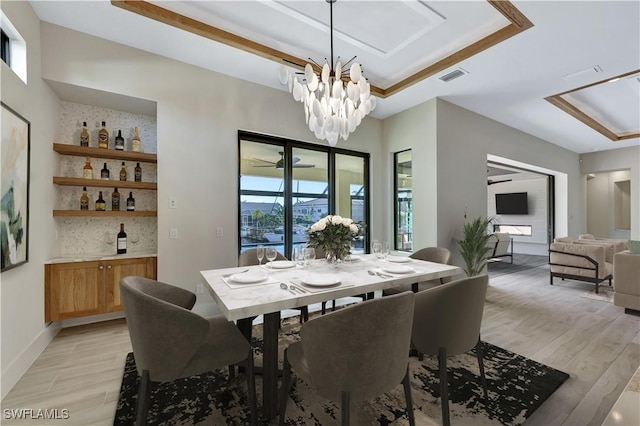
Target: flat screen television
512 203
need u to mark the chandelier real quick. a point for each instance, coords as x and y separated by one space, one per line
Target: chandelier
334 105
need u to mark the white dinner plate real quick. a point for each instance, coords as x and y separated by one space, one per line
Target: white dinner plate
398 269
398 259
281 264
249 277
321 280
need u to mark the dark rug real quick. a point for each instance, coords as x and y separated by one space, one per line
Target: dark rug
521 262
517 387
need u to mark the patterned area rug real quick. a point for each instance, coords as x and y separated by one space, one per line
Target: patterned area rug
517 387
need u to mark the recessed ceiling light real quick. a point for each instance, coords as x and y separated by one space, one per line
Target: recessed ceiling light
591 70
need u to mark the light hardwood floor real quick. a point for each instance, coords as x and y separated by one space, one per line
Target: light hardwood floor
593 341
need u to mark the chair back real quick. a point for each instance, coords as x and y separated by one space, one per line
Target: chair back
250 258
436 255
449 316
362 349
164 332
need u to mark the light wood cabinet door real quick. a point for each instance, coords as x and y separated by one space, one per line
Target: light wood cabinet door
74 290
117 269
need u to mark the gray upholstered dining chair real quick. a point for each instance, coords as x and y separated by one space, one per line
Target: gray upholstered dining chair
429 254
170 342
446 322
356 353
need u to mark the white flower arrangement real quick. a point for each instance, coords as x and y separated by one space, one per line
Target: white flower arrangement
334 234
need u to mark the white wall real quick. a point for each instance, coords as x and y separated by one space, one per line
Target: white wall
465 139
536 190
618 159
23 332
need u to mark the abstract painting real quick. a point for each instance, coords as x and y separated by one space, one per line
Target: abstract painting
14 201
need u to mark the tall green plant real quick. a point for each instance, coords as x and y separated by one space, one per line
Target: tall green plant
473 245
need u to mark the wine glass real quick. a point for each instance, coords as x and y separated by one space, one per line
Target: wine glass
260 254
309 254
377 249
134 238
298 255
385 250
271 255
109 237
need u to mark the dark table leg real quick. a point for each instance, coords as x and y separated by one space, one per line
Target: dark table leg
270 366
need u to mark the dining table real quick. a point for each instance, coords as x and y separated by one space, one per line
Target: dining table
268 289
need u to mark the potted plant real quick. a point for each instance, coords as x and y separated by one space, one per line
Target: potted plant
473 245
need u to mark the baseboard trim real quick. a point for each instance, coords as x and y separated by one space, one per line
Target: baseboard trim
91 319
16 369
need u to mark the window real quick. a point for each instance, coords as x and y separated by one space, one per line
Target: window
285 186
5 47
403 203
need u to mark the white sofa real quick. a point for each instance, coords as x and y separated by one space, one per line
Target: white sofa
583 262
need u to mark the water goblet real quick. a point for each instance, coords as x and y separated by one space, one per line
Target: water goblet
271 255
385 250
298 255
309 254
260 254
377 249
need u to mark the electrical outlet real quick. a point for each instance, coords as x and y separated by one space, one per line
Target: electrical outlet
173 204
173 233
219 231
199 288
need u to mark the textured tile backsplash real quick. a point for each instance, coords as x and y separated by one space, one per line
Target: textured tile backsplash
88 235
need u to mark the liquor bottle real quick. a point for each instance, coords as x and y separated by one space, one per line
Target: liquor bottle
119 141
84 135
123 172
100 204
138 173
135 141
103 137
122 240
115 200
104 173
131 203
84 199
87 172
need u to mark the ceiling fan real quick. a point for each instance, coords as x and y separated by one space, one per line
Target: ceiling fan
280 163
493 182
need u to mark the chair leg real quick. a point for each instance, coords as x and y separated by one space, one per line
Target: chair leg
286 387
483 379
444 386
251 387
144 398
346 408
304 314
324 308
406 382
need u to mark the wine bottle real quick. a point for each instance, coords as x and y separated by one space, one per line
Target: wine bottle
131 203
87 172
84 199
103 136
135 141
119 141
138 173
100 204
84 135
122 240
104 173
123 172
115 200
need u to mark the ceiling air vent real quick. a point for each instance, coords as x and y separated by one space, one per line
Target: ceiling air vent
458 72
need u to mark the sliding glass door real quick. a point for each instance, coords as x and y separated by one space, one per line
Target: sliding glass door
285 186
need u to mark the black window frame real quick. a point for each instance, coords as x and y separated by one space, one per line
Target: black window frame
5 47
288 145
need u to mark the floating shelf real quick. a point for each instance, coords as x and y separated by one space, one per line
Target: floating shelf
109 213
67 181
112 154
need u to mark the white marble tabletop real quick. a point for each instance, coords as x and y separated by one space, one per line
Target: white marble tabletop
252 300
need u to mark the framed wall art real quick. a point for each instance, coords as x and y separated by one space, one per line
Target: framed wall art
14 201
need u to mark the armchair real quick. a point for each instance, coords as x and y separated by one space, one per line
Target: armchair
501 245
582 262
